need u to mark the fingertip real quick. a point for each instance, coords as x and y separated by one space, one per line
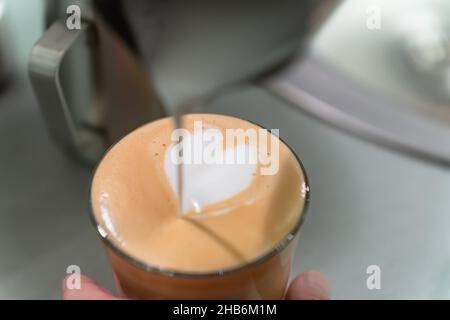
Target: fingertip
88 289
311 285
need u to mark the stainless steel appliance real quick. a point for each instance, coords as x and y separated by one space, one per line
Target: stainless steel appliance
193 48
91 82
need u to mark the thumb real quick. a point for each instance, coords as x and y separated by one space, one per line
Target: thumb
310 285
89 290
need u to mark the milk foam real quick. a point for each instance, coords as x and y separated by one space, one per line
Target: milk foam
210 183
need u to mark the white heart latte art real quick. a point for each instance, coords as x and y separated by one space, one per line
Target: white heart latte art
206 183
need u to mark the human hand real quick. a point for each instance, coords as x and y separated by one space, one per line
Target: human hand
309 285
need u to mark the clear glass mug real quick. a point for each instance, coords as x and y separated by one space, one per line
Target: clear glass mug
266 277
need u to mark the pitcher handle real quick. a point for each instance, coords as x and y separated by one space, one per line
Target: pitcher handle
44 69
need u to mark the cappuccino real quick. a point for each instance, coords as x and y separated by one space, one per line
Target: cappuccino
236 232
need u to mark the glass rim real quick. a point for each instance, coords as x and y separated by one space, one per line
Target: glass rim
260 259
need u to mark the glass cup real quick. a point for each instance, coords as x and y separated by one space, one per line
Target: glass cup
266 277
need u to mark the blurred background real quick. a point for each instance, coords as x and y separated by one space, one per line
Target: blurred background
360 89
